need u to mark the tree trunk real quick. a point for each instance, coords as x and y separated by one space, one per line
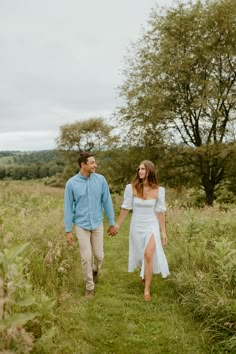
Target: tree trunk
209 191
211 174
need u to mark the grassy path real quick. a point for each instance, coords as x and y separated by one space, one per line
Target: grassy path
118 320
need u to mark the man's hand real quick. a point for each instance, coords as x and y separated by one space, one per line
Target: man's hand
70 238
112 231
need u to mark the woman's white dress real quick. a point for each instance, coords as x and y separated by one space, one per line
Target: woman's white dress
144 223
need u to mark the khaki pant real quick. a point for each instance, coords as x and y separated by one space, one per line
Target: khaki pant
91 252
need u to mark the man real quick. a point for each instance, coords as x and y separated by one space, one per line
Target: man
86 194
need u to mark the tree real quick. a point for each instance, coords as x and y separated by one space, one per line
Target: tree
181 83
88 135
2 172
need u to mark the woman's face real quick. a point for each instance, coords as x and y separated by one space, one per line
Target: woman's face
142 171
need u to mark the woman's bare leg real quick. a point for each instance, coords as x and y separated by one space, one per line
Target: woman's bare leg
148 259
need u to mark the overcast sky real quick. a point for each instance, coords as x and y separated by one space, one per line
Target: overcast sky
61 61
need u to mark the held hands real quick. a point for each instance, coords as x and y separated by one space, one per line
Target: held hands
112 230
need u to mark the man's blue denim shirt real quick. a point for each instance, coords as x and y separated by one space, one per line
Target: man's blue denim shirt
84 201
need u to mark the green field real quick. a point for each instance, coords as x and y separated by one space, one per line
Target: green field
6 160
193 311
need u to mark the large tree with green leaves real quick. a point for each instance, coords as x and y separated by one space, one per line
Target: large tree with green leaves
87 135
92 135
180 83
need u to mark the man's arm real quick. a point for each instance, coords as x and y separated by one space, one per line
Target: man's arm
107 204
68 213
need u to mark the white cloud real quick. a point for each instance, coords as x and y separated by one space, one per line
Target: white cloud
61 60
28 141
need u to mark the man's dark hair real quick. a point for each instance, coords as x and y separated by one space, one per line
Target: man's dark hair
83 157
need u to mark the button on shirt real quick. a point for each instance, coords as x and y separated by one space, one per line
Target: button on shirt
84 201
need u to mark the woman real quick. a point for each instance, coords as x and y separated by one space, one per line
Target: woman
147 199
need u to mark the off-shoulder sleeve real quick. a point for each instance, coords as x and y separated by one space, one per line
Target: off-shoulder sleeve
160 204
128 198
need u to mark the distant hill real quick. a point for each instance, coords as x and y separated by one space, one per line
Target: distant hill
30 165
29 157
8 153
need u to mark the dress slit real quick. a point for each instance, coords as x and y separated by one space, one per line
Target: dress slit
147 239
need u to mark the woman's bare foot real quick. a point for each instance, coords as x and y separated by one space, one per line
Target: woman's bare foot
147 297
142 280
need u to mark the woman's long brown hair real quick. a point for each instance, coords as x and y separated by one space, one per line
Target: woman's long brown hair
151 177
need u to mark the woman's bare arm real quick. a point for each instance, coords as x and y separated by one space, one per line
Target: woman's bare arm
162 222
121 217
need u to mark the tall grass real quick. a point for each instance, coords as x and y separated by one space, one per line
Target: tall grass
203 258
201 254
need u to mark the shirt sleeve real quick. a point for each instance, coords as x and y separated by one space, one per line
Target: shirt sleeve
128 198
160 204
68 207
107 203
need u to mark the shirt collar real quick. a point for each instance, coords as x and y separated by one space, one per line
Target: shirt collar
82 177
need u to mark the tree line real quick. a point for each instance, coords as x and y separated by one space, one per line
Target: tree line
30 165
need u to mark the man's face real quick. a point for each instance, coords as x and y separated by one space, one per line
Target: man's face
90 166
